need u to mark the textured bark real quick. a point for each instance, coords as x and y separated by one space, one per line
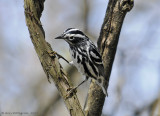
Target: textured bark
51 66
107 45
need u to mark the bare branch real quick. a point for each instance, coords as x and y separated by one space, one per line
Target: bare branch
107 44
51 66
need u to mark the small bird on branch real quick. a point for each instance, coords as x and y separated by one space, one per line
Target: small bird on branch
85 56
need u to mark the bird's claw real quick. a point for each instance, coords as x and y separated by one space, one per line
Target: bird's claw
71 92
52 54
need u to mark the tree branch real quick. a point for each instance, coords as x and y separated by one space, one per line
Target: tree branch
107 45
51 66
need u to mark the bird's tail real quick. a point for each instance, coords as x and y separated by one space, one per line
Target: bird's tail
104 90
103 84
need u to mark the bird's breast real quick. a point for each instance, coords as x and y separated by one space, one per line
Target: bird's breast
77 59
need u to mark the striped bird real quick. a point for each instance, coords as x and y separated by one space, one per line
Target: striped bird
85 56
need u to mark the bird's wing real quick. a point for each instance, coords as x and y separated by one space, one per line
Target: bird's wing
96 59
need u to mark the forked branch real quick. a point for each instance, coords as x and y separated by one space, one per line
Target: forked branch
107 44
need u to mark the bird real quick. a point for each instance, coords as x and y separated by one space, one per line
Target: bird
85 56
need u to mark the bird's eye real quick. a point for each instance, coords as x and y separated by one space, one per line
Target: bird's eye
71 38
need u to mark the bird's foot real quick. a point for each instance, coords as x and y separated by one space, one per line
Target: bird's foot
52 54
71 92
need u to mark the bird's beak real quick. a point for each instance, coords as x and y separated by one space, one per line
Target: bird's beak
59 37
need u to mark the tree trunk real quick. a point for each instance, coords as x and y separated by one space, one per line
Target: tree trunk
107 45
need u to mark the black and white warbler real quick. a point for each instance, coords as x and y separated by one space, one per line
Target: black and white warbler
85 56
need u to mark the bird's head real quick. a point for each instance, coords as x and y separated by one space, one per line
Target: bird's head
73 36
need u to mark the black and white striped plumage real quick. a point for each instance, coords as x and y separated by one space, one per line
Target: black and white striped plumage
85 55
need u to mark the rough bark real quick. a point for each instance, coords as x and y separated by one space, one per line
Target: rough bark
107 45
51 66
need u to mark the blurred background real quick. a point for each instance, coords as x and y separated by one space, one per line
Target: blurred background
134 87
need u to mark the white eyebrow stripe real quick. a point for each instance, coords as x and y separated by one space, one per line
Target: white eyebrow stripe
79 35
69 35
74 35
